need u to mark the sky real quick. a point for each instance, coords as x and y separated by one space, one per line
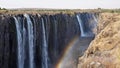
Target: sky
60 4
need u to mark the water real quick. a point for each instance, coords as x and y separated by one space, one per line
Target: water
55 38
87 24
81 26
44 48
30 41
20 46
41 39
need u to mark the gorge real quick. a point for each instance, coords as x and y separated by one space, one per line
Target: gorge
104 50
45 40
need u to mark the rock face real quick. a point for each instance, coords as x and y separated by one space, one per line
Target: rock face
39 41
8 43
104 50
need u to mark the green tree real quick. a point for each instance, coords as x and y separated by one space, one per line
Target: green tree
4 8
99 8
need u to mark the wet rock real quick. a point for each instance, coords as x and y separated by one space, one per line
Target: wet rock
60 29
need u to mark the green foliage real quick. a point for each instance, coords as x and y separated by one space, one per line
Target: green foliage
99 8
3 8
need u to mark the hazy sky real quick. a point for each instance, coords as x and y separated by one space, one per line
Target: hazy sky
63 4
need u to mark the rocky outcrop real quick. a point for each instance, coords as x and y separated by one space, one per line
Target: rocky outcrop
104 50
7 42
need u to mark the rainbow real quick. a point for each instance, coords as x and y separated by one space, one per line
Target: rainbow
61 62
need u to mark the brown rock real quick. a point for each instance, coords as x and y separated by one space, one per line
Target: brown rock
105 48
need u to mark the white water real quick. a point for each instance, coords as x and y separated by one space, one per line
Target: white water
30 41
44 48
20 47
95 18
81 27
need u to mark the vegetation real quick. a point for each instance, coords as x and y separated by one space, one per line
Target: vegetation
109 10
3 8
54 11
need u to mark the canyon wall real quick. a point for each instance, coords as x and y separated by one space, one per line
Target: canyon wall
104 50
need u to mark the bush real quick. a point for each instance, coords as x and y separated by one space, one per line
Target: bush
4 9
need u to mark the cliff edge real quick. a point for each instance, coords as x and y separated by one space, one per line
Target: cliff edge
104 50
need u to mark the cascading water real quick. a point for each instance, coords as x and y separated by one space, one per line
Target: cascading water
81 26
20 46
44 48
55 38
40 41
95 18
30 41
87 24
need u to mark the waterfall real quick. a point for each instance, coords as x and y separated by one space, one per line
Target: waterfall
44 48
81 26
95 19
20 47
30 41
55 38
87 24
39 41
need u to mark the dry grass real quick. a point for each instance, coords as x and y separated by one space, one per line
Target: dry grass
47 11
